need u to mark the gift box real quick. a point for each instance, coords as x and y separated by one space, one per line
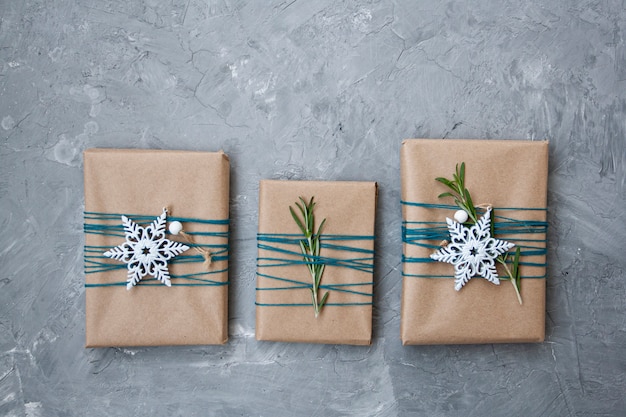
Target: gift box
153 190
509 176
284 299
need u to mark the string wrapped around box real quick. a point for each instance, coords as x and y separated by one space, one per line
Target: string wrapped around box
108 224
284 246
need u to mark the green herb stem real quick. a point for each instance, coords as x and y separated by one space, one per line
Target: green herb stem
510 277
310 248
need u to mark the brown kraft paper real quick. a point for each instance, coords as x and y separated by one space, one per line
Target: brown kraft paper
143 182
503 173
349 209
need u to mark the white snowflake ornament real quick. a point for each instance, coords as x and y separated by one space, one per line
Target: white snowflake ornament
146 251
472 251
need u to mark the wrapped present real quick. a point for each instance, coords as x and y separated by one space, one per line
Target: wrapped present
293 253
449 293
156 247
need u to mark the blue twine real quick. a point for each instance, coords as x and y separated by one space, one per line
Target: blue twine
199 282
288 257
431 233
454 207
303 285
142 218
309 304
452 276
95 261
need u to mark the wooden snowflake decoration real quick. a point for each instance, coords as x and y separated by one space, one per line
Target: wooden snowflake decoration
472 251
146 251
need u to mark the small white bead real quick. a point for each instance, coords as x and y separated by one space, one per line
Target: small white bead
175 227
461 216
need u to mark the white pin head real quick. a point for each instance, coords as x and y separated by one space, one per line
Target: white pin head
461 216
175 227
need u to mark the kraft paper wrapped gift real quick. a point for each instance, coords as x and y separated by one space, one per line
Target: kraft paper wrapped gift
512 177
284 309
194 187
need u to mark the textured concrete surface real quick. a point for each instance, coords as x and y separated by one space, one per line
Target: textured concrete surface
310 90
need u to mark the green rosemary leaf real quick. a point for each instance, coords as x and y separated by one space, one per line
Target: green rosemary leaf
324 298
446 182
310 218
297 220
460 203
457 181
304 214
515 271
318 276
442 195
304 208
315 247
462 174
470 205
319 229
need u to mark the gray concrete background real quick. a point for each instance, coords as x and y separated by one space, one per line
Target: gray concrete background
310 90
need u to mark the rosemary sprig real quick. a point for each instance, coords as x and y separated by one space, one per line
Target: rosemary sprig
310 248
463 200
461 195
